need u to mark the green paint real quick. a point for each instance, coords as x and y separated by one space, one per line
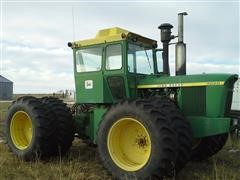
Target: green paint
205 126
154 79
98 115
87 123
81 124
193 101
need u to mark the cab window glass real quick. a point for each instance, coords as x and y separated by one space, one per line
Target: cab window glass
159 61
142 58
89 59
114 57
130 63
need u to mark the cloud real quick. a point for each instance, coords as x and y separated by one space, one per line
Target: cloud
36 58
38 70
45 81
195 68
51 52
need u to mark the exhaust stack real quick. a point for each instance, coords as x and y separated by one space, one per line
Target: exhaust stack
180 64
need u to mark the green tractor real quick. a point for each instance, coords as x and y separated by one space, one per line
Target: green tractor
146 124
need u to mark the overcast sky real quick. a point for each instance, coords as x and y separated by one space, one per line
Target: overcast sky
34 36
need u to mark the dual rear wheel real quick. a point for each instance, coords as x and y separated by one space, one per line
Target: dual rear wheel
38 128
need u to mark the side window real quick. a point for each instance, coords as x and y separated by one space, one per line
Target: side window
159 61
144 62
140 59
131 63
89 59
114 57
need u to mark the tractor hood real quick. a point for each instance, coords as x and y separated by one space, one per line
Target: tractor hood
159 81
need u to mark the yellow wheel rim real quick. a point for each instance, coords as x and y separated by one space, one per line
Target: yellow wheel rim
129 144
21 130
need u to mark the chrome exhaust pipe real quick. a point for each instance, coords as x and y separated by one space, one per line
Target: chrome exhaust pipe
180 54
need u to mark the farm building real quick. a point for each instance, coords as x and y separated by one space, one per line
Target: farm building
6 88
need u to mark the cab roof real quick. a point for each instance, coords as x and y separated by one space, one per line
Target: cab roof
112 35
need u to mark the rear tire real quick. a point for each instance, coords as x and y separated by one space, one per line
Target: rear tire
208 146
135 141
64 123
29 129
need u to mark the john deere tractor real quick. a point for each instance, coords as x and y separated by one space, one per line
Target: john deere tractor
146 124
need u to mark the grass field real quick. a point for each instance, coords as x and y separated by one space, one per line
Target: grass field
82 163
3 110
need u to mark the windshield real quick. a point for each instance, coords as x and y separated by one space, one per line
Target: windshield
140 59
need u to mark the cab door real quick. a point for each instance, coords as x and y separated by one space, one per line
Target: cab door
88 75
114 72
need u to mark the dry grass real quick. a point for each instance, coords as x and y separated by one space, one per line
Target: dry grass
3 110
223 166
82 163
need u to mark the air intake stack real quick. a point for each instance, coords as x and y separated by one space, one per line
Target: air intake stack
180 64
165 39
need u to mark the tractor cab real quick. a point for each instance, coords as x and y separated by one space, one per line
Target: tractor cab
108 67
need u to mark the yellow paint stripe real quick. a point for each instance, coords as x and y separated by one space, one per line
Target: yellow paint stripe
193 84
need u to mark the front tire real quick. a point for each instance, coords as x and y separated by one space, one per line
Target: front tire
183 129
208 146
135 141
